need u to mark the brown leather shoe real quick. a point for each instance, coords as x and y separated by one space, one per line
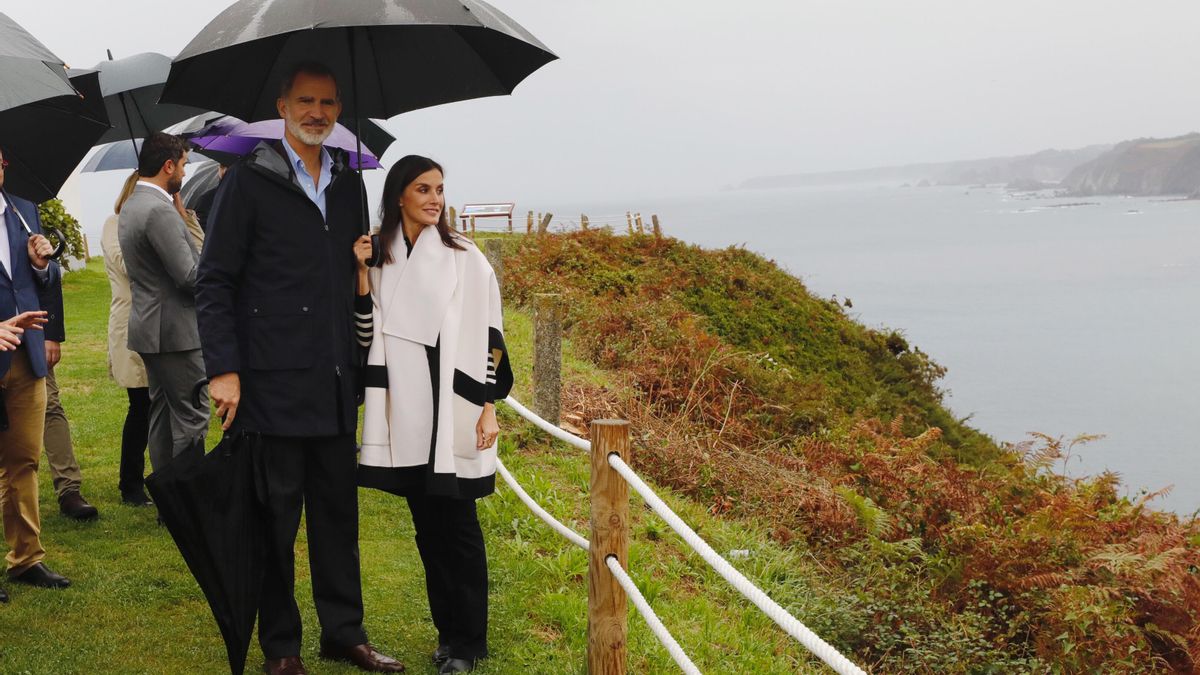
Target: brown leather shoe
75 507
288 665
363 656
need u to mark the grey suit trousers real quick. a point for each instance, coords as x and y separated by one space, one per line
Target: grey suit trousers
176 424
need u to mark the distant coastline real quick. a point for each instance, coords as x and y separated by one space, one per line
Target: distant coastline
1140 167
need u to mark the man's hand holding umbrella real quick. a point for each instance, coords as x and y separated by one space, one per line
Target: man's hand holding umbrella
226 391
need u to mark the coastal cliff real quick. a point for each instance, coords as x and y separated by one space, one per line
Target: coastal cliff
1142 167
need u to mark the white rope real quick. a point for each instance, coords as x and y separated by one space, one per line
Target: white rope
823 650
545 426
790 624
656 626
538 510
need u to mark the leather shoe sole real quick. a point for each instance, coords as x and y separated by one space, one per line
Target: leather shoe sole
288 665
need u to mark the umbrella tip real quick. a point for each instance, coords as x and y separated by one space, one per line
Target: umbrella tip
110 58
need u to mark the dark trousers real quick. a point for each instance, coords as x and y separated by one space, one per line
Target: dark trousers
133 441
317 475
456 578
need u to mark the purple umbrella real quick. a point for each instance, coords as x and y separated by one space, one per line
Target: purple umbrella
234 136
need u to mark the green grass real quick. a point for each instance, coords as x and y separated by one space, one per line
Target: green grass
134 608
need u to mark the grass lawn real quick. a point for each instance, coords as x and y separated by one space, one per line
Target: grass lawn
133 607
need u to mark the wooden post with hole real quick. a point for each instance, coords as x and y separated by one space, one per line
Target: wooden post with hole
641 227
629 221
608 623
547 356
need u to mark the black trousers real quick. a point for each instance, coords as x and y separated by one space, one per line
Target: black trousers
133 441
456 579
318 476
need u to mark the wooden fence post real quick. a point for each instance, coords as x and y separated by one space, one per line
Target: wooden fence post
640 226
547 356
544 225
529 224
657 227
629 221
453 218
472 227
494 250
583 221
608 622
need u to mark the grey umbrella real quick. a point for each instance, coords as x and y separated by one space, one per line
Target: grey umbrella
29 72
131 87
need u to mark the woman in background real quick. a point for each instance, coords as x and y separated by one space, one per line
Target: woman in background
436 366
125 366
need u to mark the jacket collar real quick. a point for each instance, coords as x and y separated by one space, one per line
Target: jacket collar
271 159
417 288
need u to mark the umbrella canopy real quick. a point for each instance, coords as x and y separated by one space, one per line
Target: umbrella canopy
124 155
45 140
131 88
212 506
239 138
199 181
389 56
28 71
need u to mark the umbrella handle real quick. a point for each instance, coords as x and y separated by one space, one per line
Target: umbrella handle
62 242
376 259
196 388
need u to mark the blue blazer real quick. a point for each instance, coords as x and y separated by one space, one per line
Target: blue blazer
21 290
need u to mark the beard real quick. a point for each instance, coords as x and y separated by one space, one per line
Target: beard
308 137
174 185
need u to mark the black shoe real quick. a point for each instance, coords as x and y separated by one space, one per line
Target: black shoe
75 507
3 596
136 498
441 655
457 666
39 575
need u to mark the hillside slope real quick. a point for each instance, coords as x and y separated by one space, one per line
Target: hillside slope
762 401
1147 166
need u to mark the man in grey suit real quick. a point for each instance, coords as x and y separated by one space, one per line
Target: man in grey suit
161 264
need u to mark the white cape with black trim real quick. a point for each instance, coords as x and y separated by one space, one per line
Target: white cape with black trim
437 355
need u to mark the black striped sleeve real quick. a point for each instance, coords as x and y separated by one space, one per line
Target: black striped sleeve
364 325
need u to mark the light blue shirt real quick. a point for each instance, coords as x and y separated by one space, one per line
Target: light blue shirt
315 192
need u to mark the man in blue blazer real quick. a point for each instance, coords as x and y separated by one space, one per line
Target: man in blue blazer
28 279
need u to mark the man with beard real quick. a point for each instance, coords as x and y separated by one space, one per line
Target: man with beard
161 263
275 300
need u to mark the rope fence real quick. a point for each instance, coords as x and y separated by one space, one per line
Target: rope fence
785 620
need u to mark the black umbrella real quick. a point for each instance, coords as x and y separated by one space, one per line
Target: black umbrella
131 87
47 121
213 507
393 55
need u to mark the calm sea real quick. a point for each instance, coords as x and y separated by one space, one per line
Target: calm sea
1051 317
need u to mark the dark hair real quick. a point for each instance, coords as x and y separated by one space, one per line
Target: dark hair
403 173
314 68
157 150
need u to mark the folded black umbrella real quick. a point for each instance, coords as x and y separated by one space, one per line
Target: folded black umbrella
213 506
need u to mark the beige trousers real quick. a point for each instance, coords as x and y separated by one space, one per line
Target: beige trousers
20 446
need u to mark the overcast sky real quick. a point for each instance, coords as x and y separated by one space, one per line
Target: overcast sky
676 97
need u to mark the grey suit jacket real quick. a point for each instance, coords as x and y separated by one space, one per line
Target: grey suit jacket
161 264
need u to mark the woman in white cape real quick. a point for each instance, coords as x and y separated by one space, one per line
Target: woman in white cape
435 367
